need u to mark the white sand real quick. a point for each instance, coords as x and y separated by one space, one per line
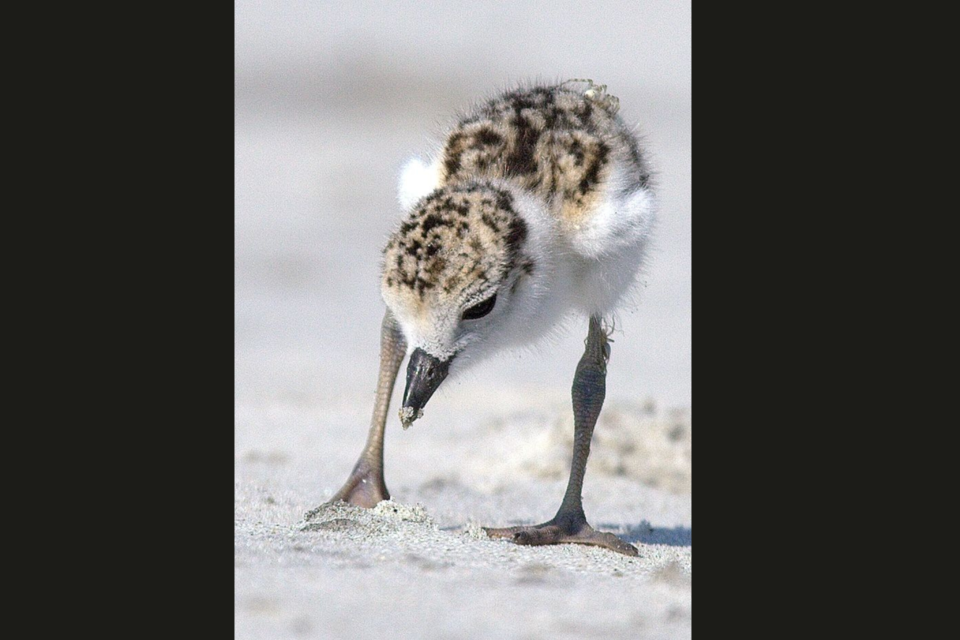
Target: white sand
330 100
420 566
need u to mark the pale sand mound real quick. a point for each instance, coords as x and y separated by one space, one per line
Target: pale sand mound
630 440
388 517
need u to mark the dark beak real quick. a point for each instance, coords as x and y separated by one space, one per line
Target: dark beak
424 375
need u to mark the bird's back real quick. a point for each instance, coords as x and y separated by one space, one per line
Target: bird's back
562 142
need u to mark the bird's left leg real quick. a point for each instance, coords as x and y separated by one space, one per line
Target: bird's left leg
366 487
570 523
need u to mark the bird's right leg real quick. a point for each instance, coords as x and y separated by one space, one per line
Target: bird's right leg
570 524
365 486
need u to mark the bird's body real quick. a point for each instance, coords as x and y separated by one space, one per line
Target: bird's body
537 205
541 193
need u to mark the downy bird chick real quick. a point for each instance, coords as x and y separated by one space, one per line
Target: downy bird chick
538 204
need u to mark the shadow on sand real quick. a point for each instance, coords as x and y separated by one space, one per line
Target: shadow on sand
646 534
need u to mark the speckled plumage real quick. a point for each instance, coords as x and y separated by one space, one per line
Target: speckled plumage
520 180
466 234
558 142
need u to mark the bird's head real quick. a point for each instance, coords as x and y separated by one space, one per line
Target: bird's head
453 277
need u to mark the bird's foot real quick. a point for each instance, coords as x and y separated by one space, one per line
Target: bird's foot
562 530
364 488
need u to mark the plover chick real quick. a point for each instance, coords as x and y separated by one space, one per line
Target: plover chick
538 204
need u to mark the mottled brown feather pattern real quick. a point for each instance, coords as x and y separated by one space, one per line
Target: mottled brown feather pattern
558 143
554 141
458 239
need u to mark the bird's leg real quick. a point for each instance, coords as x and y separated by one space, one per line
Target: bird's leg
570 523
365 486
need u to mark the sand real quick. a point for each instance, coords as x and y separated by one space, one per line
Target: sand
330 99
420 566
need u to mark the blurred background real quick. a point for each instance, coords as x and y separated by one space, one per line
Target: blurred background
332 97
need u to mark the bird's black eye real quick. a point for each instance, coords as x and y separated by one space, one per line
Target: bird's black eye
480 309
